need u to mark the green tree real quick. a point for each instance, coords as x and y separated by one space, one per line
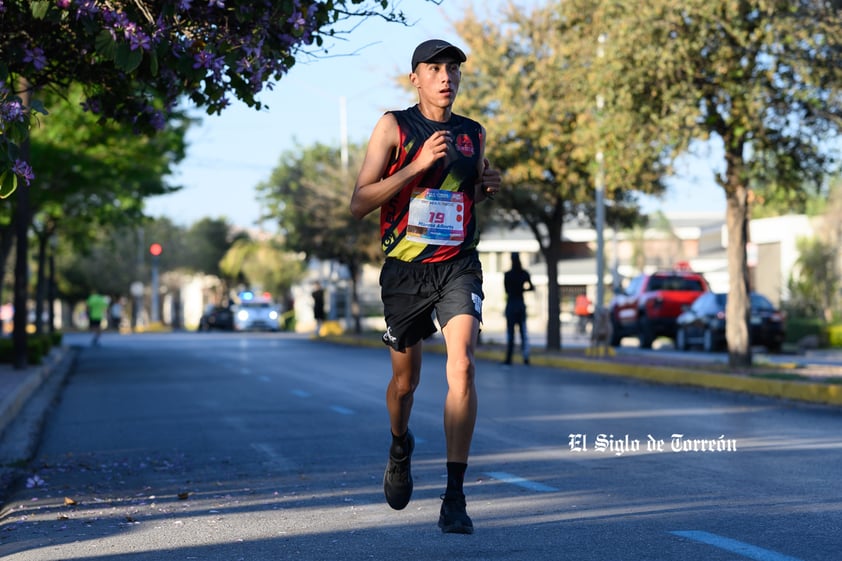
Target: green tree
117 256
814 282
207 241
526 82
137 61
93 176
761 77
308 195
263 265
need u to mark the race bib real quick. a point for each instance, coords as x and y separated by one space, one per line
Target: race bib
436 217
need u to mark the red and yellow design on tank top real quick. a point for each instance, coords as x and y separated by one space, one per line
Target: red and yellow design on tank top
432 218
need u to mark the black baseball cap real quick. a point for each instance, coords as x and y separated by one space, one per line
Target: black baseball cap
435 48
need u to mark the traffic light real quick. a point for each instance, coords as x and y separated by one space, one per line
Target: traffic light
155 249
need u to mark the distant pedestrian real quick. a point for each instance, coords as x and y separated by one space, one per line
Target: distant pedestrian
516 281
115 314
583 309
319 313
97 305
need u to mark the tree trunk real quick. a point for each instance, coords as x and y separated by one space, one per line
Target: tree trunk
22 218
553 300
738 308
354 271
51 290
41 283
552 254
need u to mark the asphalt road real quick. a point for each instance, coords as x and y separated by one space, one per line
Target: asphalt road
258 447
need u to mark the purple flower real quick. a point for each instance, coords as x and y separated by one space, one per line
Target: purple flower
23 170
36 57
87 8
92 106
216 3
243 65
12 111
63 4
34 481
137 38
297 20
158 120
202 59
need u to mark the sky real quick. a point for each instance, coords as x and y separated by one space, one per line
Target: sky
228 155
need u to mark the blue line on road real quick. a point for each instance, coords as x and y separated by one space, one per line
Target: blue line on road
342 410
734 546
300 393
520 482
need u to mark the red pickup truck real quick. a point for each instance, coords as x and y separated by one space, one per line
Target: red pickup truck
650 304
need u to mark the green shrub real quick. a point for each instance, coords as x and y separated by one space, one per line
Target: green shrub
37 347
834 336
799 327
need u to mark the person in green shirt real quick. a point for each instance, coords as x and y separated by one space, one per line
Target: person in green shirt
97 304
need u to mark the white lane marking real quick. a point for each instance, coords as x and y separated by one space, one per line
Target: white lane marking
274 457
341 410
520 482
735 546
237 423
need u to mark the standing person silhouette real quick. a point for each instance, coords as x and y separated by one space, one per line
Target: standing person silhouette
516 281
425 169
319 313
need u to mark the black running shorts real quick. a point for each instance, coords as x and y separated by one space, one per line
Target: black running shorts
411 292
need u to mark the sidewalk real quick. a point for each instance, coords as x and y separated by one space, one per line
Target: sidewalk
18 386
812 378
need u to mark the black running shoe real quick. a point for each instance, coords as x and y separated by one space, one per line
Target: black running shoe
397 481
453 519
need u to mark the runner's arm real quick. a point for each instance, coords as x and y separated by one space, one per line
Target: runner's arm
488 179
372 190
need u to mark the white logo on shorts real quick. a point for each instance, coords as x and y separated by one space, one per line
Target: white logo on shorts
477 303
388 337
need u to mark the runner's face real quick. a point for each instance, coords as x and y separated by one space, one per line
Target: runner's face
438 81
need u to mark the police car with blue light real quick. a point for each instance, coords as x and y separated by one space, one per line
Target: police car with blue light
256 312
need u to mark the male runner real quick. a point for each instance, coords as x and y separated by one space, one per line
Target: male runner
425 170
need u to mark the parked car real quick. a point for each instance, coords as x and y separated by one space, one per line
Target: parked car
703 323
650 304
217 317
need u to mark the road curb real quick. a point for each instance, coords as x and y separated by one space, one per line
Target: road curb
806 391
24 411
11 404
814 392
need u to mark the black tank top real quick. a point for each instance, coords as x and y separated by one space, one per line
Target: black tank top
432 218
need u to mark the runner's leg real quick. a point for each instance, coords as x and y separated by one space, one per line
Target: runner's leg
406 374
460 406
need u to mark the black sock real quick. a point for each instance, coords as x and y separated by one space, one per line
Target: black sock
455 477
399 446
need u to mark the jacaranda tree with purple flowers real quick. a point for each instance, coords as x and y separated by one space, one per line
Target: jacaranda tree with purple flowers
138 59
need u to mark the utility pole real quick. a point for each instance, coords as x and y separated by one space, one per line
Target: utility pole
155 250
600 200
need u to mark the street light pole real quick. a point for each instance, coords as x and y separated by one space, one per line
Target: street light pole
600 201
155 250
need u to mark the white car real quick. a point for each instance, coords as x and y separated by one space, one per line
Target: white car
254 315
